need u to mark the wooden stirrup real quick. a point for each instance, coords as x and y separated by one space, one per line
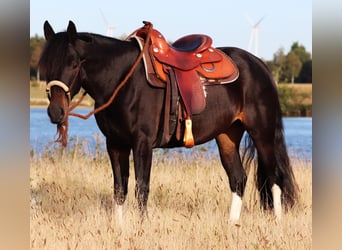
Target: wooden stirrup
188 137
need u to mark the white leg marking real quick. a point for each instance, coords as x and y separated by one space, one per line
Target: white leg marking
276 193
119 211
235 208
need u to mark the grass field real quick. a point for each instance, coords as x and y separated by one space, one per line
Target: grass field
72 207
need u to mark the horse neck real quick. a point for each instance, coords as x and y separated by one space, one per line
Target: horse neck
108 60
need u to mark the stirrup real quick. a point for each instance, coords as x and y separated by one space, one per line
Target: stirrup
188 137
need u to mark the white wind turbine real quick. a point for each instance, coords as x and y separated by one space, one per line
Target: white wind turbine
110 28
253 45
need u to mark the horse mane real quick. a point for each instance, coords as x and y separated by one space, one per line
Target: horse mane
55 51
53 56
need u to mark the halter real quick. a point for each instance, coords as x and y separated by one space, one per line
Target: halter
59 84
62 85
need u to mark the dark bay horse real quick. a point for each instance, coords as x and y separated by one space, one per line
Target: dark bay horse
71 61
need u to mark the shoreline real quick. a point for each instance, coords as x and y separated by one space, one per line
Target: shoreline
91 107
45 106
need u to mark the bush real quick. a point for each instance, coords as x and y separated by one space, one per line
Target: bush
294 101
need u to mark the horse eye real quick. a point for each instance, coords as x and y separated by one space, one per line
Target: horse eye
74 65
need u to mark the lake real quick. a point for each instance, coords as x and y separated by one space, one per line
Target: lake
298 134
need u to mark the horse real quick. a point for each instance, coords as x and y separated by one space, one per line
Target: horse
131 122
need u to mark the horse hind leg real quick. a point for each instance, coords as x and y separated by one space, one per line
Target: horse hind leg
228 144
275 179
268 181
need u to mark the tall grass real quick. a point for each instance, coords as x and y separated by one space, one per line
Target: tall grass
188 208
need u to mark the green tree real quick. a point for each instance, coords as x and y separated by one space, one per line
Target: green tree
301 52
296 66
293 66
36 47
305 74
276 66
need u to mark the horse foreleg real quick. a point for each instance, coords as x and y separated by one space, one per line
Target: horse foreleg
142 155
230 158
120 166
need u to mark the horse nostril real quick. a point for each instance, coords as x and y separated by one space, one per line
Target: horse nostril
56 113
62 112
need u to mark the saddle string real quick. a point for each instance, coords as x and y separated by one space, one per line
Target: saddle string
122 83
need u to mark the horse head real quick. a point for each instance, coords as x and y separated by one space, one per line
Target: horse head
61 63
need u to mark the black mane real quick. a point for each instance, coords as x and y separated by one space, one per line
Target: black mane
54 56
55 52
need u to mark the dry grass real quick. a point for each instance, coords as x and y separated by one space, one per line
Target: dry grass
71 207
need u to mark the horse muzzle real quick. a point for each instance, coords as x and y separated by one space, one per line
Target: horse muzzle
58 106
56 113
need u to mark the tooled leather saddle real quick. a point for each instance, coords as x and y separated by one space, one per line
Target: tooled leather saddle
190 63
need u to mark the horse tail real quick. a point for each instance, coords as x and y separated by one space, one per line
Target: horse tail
283 169
248 152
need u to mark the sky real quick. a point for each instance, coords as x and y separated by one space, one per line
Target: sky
226 21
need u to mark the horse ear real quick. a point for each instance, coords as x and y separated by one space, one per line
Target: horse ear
72 33
48 31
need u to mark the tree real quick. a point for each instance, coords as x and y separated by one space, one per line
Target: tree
276 66
305 75
293 66
36 47
301 52
296 66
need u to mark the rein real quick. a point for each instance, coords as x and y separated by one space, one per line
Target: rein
120 86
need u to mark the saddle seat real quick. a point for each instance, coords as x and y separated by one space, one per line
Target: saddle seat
193 61
192 43
186 53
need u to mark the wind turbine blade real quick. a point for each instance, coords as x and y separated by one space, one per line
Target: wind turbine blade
256 43
257 23
103 17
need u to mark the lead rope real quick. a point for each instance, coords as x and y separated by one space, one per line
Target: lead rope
149 26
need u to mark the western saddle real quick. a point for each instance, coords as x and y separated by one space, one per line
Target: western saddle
192 61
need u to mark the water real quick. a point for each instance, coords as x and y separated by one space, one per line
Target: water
298 134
